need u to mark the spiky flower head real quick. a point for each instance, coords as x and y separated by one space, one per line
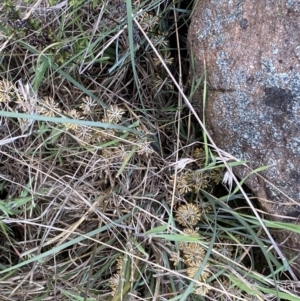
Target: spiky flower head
188 215
120 263
160 40
199 156
48 107
182 184
190 181
193 254
191 232
84 135
201 289
166 58
205 206
193 270
88 105
175 258
145 148
114 114
6 89
149 21
160 82
114 283
74 114
224 249
103 135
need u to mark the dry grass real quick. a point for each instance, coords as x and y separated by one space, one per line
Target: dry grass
108 188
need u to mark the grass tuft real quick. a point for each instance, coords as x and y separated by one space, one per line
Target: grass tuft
110 187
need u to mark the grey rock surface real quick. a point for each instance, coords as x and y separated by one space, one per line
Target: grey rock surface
251 50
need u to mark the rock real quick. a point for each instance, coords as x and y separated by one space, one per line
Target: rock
252 53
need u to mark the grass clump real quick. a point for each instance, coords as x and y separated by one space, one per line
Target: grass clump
108 189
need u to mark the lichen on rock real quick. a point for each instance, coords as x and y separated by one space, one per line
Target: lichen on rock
251 51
